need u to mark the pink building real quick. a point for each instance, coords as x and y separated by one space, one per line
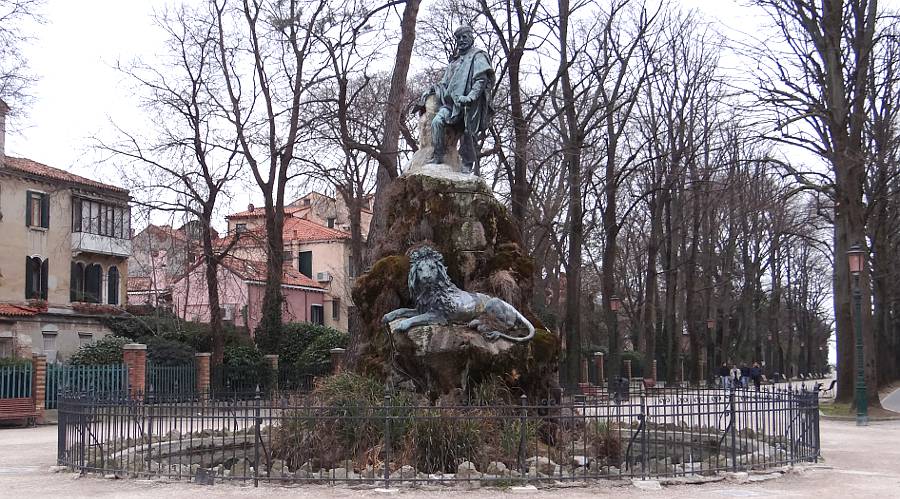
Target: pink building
241 288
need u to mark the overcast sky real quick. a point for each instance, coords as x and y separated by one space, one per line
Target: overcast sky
74 54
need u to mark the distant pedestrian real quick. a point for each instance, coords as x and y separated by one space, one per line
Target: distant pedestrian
735 376
745 376
725 376
756 375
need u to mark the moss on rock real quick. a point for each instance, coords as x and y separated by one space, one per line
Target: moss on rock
482 250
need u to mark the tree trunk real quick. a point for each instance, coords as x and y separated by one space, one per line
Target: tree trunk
393 113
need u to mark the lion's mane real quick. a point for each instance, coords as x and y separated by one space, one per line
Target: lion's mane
435 297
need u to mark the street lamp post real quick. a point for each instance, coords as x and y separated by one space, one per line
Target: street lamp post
711 330
614 304
855 257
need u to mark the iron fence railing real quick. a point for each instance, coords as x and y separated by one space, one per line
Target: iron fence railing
175 383
83 379
16 381
655 433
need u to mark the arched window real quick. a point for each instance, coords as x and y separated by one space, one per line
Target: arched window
76 282
93 281
112 286
36 271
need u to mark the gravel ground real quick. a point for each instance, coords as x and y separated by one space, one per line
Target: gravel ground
859 462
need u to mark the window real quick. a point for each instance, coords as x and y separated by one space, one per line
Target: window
37 209
6 348
112 286
336 309
305 266
85 339
49 342
76 282
331 222
95 217
93 281
240 228
306 202
36 272
317 314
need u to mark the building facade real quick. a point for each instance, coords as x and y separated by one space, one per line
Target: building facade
316 244
63 257
241 286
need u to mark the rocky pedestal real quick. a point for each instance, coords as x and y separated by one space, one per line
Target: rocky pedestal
458 215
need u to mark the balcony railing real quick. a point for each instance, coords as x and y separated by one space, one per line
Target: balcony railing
102 245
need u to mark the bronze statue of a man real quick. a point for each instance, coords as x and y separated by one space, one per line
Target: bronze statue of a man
464 94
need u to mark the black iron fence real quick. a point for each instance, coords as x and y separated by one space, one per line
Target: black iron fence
290 438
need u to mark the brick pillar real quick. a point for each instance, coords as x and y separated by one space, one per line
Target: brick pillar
598 359
39 383
628 368
653 370
135 357
202 372
584 371
272 359
337 359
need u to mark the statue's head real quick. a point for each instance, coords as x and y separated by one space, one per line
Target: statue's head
426 270
465 38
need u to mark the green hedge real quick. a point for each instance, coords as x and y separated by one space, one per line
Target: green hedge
106 350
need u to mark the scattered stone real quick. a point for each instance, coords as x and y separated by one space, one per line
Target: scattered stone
496 468
579 461
646 484
525 489
542 464
241 468
57 469
466 470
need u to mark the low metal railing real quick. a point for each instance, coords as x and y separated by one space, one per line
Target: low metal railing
666 432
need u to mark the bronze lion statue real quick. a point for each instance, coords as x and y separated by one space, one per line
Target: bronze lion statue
439 301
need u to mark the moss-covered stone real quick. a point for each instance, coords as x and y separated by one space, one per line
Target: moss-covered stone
482 250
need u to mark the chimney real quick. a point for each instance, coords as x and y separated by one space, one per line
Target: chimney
3 110
250 207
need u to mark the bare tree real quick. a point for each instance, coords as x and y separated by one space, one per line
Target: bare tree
187 163
816 90
15 77
267 64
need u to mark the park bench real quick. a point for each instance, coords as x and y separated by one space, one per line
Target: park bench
18 408
592 391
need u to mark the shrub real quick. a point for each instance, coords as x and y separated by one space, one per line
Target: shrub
297 337
318 351
166 325
439 439
243 369
166 352
106 350
14 361
605 443
345 421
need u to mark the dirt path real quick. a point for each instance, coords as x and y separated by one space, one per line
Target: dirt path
859 462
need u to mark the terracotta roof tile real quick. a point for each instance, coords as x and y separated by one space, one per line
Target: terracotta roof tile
261 212
299 229
11 310
33 167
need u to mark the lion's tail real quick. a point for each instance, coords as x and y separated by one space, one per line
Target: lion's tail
526 323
